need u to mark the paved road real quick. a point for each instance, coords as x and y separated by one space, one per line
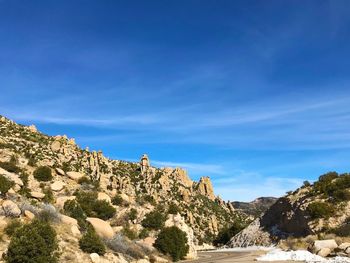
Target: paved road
229 257
223 257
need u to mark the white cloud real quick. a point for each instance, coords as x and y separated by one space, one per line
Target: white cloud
193 168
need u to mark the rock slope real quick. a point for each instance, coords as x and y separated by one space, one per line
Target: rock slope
141 187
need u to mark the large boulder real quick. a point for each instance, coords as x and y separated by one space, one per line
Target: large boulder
102 228
29 215
11 209
75 175
57 186
37 195
344 246
324 252
68 220
59 171
11 176
320 244
104 197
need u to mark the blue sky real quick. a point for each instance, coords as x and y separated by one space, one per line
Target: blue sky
254 94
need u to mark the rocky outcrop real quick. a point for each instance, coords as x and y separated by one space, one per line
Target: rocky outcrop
255 208
205 188
11 209
252 235
74 175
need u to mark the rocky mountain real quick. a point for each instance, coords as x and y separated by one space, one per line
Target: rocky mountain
133 190
255 208
313 211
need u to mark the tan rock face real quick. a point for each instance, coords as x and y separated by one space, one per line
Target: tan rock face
57 186
68 220
324 252
59 171
74 175
104 197
320 244
29 215
11 209
11 176
37 195
56 146
102 228
205 187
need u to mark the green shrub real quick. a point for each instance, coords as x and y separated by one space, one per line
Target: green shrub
93 207
150 199
11 228
144 233
5 185
33 243
73 209
173 209
226 234
91 242
129 233
43 173
306 183
117 200
102 209
132 215
154 220
320 210
49 197
173 242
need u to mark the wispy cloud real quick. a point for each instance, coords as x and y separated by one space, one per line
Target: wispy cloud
193 168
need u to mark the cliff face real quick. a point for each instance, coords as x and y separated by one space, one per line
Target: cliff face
310 210
135 182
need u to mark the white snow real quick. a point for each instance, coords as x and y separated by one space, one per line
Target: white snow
299 255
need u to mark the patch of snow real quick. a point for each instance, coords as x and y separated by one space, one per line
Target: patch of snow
299 255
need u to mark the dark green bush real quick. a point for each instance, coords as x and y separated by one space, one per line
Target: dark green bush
132 215
129 233
93 207
43 173
91 242
11 228
173 242
154 220
49 197
306 183
33 243
144 233
227 233
73 209
102 209
117 200
173 209
320 210
5 185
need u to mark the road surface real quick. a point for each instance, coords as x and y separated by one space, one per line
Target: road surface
228 257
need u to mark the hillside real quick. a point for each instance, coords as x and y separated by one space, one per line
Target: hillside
255 208
138 192
311 212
